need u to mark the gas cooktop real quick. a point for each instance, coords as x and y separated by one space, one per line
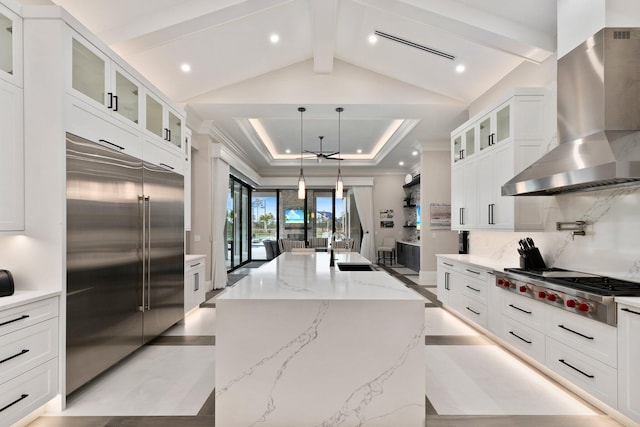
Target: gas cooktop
599 285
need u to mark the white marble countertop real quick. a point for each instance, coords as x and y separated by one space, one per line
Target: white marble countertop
406 242
630 301
193 257
307 276
476 261
25 297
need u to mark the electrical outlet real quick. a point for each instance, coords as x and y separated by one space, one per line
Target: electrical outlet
196 238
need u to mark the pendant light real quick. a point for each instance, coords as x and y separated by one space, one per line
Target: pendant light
339 183
302 186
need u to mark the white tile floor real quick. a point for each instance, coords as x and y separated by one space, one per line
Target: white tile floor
156 380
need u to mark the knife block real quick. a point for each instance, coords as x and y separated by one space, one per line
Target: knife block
532 259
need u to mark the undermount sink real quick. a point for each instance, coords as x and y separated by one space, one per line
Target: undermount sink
354 267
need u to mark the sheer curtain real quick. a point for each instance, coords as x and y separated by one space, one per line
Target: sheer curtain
364 203
220 187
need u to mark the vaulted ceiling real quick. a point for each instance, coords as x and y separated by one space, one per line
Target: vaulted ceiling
400 94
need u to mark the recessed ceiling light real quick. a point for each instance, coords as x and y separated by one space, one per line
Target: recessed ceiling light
185 68
274 38
460 68
373 39
414 153
401 163
359 150
288 151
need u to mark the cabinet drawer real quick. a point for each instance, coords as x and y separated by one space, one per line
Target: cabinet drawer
591 375
522 309
474 272
26 315
27 348
473 288
474 310
524 338
194 265
595 339
445 263
27 392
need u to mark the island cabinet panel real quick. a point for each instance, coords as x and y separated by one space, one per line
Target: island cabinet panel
301 344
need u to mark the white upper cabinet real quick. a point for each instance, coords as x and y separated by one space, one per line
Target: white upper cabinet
102 84
163 124
508 138
10 46
11 158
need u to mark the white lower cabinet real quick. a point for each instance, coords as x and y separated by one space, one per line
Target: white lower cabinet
594 377
601 359
524 338
594 339
194 290
28 358
629 361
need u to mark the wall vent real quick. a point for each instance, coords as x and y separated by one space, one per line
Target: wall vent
626 35
416 45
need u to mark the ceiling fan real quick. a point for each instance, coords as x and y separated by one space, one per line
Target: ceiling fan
322 155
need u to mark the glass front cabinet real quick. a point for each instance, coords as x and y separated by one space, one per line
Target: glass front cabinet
102 84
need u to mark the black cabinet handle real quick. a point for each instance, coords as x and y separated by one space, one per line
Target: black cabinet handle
630 311
461 216
195 265
451 265
461 154
24 396
24 316
577 333
169 134
446 281
575 369
473 289
492 139
490 214
164 165
110 105
474 272
115 102
519 337
166 134
473 311
518 308
14 356
104 141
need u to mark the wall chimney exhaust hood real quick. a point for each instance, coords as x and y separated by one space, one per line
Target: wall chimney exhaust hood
598 120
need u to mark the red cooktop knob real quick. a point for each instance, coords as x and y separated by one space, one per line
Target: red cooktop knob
500 281
551 297
506 284
542 294
571 303
584 307
523 288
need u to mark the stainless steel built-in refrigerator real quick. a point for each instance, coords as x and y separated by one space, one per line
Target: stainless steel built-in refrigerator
125 256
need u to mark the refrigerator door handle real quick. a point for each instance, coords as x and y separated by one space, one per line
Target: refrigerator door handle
148 260
143 203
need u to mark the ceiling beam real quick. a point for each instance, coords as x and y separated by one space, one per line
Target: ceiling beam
324 14
472 24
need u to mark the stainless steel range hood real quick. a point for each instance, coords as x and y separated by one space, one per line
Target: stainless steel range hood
598 120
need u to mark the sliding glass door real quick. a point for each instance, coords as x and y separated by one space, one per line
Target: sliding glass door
264 220
238 221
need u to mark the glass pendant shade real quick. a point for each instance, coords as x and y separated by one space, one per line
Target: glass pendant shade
339 187
302 186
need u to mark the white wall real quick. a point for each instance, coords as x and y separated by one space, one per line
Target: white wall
201 200
388 194
435 187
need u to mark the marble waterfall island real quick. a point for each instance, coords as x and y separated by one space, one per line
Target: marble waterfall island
300 344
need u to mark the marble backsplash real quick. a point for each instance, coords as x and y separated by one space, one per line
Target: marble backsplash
611 244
